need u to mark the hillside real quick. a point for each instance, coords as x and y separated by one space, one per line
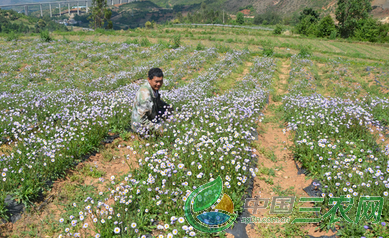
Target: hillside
288 7
12 21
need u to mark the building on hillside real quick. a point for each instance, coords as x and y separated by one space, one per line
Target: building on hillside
245 12
72 22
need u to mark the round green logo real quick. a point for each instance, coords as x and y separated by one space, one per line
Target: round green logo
207 210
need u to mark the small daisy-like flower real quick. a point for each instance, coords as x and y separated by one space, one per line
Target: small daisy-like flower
166 226
61 220
181 220
97 235
170 235
385 194
192 233
85 225
116 230
133 225
175 232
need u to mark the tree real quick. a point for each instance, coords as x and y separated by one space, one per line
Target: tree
40 25
278 30
314 16
100 13
179 16
325 27
148 24
240 18
349 12
308 22
307 26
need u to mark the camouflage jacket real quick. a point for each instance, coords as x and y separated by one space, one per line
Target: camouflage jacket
145 107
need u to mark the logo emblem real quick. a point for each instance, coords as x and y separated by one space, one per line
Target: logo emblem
207 210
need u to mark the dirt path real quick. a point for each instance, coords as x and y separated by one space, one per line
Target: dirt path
278 175
283 77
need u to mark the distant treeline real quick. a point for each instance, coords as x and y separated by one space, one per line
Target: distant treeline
11 21
353 16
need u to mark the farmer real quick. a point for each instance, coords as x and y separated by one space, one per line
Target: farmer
148 107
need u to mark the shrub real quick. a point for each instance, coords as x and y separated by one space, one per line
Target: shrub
306 26
145 42
371 30
268 51
333 35
200 46
176 41
12 36
278 30
240 18
223 48
134 41
164 43
45 36
148 24
325 27
305 51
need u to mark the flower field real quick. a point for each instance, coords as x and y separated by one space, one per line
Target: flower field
59 100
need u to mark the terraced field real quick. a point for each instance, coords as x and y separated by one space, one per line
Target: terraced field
241 113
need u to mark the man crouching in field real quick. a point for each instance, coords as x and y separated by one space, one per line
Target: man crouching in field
148 107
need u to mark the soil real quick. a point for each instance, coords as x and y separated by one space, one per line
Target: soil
278 140
51 209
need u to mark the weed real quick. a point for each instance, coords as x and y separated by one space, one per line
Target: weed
45 36
283 192
12 36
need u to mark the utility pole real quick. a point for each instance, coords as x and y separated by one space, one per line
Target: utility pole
223 16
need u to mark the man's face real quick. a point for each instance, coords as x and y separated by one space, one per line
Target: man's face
155 83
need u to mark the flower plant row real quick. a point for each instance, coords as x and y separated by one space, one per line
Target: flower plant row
339 140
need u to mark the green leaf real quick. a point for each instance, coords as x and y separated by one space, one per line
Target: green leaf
208 195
